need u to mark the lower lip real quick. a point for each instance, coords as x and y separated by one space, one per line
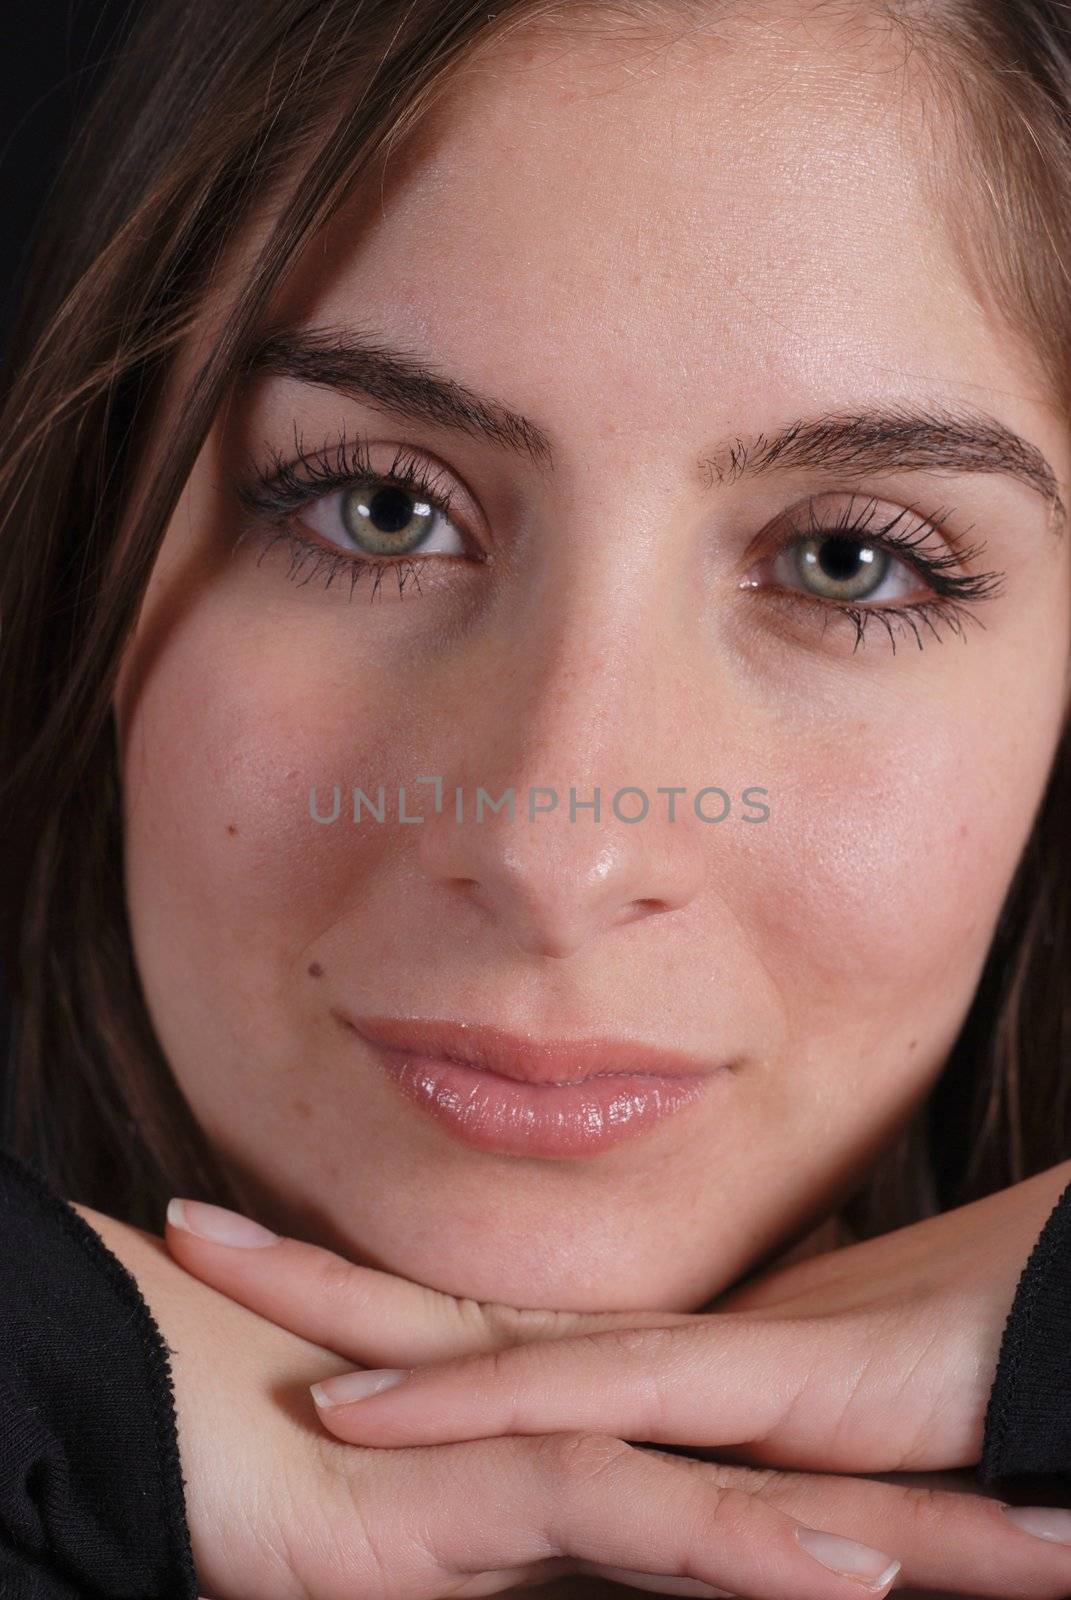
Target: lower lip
539 1119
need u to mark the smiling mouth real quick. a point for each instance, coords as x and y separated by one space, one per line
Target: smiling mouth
524 1060
502 1093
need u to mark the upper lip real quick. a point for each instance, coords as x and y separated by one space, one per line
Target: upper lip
510 1055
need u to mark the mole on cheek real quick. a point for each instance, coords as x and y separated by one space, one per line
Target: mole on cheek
231 828
315 970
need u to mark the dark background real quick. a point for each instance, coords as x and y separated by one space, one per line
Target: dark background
51 58
52 53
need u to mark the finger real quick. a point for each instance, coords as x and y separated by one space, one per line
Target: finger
362 1314
803 1392
950 1540
521 1508
359 1312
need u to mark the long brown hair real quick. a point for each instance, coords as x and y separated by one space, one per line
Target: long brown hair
206 108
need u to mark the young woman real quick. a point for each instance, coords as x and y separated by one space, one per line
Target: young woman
534 707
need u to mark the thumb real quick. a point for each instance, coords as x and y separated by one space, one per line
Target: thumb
367 1316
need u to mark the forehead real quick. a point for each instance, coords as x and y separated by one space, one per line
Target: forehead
739 215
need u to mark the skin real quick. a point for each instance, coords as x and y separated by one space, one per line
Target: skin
756 197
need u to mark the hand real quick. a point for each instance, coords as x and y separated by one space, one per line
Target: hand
277 1509
877 1358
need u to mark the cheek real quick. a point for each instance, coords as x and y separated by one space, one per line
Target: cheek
229 876
895 848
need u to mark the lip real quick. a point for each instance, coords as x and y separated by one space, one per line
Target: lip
511 1055
503 1092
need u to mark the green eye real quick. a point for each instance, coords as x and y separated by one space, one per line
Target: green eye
385 521
839 568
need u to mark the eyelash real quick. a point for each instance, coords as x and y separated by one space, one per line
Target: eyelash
954 592
271 496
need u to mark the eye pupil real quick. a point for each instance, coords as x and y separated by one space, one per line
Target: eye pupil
386 520
841 566
390 509
839 558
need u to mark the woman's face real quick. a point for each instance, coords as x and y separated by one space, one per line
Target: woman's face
662 256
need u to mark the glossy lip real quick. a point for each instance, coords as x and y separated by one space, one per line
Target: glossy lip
500 1092
510 1055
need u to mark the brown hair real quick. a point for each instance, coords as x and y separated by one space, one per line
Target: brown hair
204 112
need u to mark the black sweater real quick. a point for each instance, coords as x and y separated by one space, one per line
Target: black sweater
91 1493
91 1489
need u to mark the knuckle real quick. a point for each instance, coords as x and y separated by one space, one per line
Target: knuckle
335 1279
493 1374
656 1357
930 1507
574 1461
772 1484
504 1325
487 1326
740 1512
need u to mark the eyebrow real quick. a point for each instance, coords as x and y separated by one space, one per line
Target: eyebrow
898 438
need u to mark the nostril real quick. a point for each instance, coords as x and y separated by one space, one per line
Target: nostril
642 908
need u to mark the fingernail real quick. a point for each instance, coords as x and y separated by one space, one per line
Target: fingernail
851 1560
1047 1522
355 1385
218 1224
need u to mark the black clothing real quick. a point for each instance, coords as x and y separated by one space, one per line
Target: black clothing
91 1490
1028 1419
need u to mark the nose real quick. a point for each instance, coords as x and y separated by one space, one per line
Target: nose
551 826
550 883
